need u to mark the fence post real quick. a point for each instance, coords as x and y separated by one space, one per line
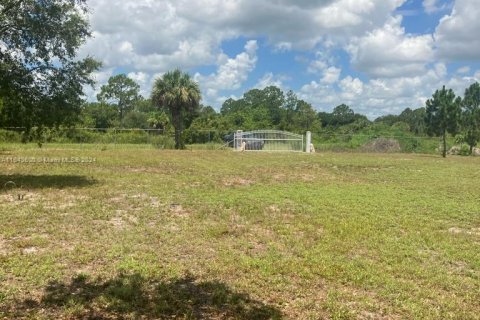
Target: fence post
308 142
237 140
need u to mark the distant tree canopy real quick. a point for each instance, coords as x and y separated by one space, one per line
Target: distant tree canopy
41 81
470 117
269 108
443 115
340 116
99 115
121 92
414 119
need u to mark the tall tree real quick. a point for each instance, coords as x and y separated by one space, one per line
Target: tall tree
122 92
180 95
41 81
342 115
289 109
99 115
305 118
443 115
415 119
471 115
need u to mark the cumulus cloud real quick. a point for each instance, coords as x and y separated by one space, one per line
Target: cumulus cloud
456 35
331 75
231 72
351 88
390 52
463 70
146 35
381 96
430 6
269 79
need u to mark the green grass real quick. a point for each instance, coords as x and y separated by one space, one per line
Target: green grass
217 234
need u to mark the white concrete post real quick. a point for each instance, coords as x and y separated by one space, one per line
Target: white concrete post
237 140
308 142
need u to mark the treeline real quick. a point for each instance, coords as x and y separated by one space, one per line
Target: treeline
120 105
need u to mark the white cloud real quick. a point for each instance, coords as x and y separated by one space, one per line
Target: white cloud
358 14
231 72
317 66
146 37
160 35
389 52
381 96
331 75
463 70
283 46
269 79
351 88
323 59
456 36
432 6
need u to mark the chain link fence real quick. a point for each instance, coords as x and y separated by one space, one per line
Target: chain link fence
221 139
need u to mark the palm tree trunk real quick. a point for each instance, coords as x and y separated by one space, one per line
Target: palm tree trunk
177 123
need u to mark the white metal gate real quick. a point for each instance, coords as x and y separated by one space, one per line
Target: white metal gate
268 140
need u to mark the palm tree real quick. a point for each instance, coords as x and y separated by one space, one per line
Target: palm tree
179 94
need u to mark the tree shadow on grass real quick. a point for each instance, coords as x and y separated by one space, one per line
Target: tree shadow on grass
134 297
13 181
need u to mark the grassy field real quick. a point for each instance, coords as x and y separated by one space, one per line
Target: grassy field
145 233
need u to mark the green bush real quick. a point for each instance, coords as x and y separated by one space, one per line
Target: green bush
163 142
10 136
464 150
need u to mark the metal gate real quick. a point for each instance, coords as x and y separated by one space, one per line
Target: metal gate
268 140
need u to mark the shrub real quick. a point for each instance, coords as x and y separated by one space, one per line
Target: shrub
163 142
464 150
10 136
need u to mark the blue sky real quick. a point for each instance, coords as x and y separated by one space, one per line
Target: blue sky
378 56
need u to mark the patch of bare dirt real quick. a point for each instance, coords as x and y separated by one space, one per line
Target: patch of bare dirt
132 219
117 222
30 250
123 220
352 294
472 231
257 248
155 202
273 208
3 247
146 169
369 315
178 210
20 196
237 182
141 196
66 204
308 177
279 177
143 199
118 198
